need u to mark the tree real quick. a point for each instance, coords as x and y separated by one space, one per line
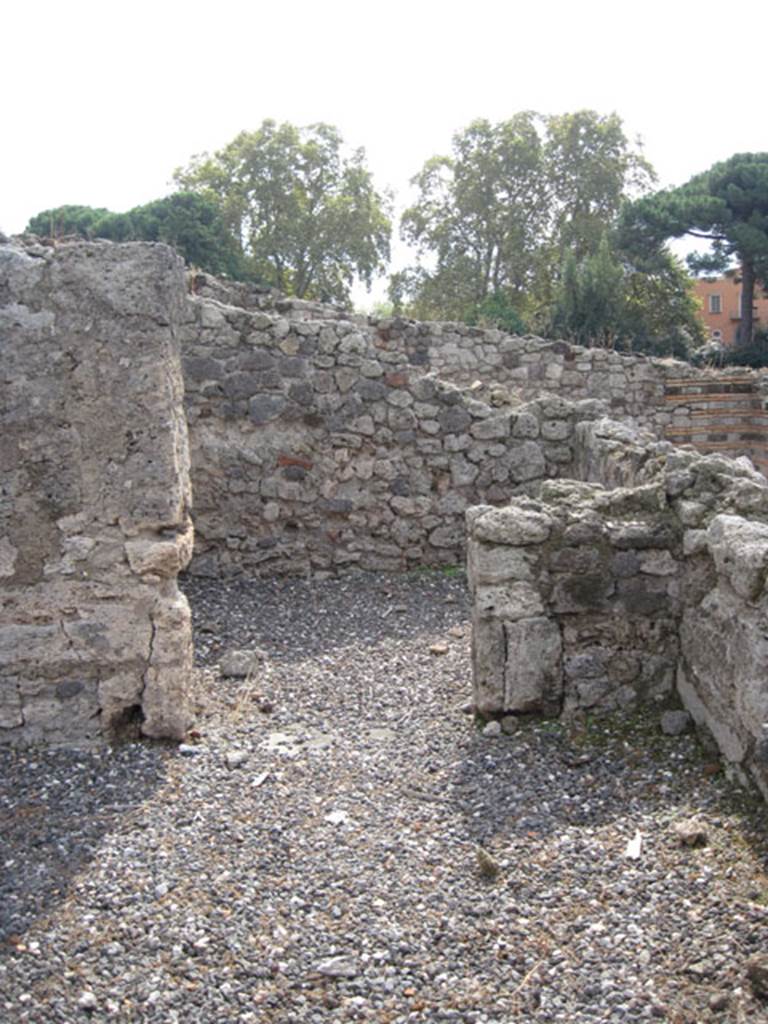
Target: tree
308 218
480 215
498 216
592 170
191 223
590 298
66 220
726 205
606 300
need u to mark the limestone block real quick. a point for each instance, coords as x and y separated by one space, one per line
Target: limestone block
94 435
514 526
526 462
533 676
740 551
107 632
509 602
488 429
450 536
492 564
657 563
164 701
488 665
556 430
582 592
164 558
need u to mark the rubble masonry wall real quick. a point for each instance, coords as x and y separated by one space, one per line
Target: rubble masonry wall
322 441
95 636
590 598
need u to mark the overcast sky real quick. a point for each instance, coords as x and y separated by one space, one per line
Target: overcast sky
104 100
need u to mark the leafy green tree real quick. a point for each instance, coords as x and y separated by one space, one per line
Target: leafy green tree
661 312
194 226
496 311
592 169
726 205
606 300
191 223
308 218
66 220
498 216
589 305
479 215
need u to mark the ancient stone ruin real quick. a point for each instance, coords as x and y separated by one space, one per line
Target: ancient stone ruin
605 563
593 597
95 636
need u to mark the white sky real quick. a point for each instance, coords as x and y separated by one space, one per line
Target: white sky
104 100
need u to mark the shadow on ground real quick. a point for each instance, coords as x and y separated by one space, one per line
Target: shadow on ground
55 808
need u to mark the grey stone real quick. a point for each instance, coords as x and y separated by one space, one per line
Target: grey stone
95 457
338 967
526 462
237 664
263 408
675 723
513 526
236 758
533 678
691 832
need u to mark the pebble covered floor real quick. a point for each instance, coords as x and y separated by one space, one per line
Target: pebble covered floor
311 854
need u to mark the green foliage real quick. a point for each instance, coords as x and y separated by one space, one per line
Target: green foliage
589 305
190 223
496 311
495 220
726 205
480 215
194 226
754 354
66 220
308 218
592 170
604 300
661 312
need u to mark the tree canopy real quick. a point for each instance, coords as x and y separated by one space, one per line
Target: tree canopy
191 223
498 216
604 299
726 205
308 217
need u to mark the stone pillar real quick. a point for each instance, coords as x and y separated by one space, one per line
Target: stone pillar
575 600
516 647
95 637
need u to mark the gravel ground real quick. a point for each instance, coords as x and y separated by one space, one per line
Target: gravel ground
312 855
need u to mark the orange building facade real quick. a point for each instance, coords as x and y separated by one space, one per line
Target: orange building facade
720 300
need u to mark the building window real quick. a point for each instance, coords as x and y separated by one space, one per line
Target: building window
714 304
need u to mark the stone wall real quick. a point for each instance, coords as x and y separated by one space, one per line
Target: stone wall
94 509
322 440
316 446
597 598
